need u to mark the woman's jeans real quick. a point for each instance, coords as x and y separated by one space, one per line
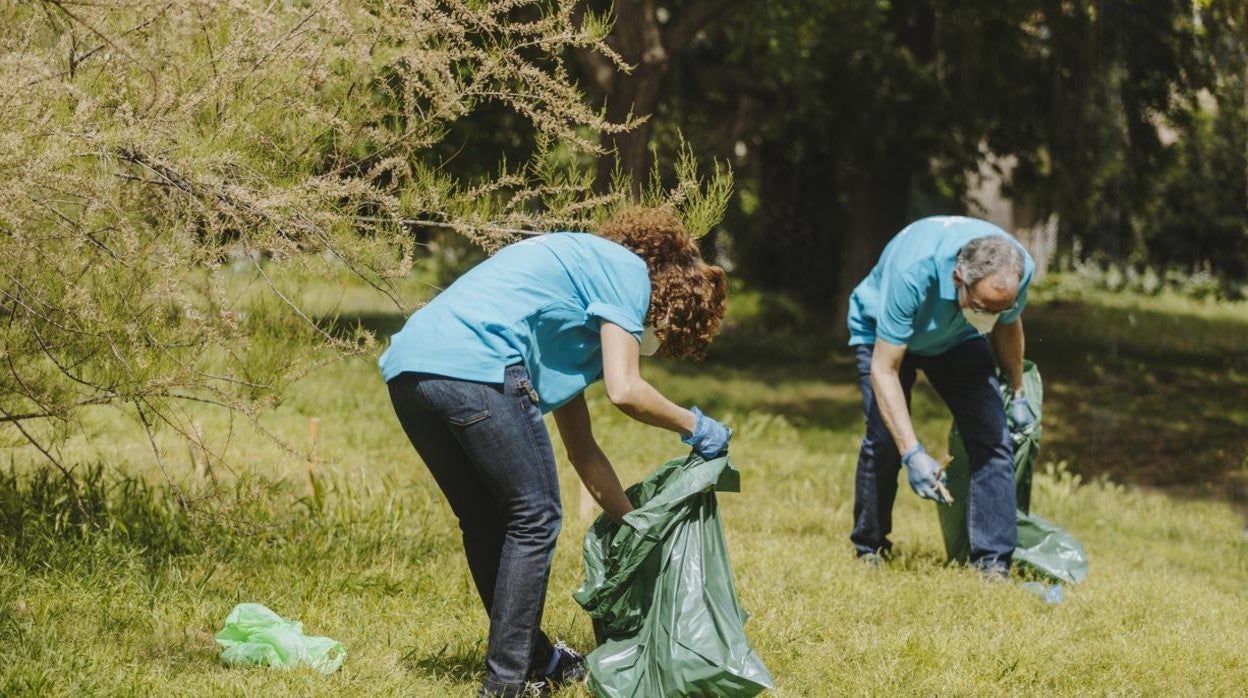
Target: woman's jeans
490 453
965 378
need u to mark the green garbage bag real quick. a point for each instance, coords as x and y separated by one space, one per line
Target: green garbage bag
254 635
1043 547
659 588
1048 550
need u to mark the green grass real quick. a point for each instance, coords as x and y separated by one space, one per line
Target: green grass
372 557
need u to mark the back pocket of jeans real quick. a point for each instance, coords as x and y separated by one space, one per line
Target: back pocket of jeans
461 403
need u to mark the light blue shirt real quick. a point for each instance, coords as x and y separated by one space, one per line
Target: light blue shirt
539 301
909 298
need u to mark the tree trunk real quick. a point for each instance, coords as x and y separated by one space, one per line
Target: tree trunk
650 47
877 213
637 38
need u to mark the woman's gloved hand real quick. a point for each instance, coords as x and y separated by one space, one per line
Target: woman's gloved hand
709 438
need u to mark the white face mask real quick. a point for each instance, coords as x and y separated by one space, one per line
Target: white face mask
982 322
649 341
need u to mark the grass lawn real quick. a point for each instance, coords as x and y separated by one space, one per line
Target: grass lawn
1146 417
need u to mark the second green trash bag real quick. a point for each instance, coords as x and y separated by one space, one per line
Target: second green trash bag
1043 547
659 588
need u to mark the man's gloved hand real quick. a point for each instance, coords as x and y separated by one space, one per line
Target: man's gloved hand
924 473
709 438
1021 414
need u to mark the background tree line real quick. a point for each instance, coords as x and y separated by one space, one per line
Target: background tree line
858 116
152 144
1122 124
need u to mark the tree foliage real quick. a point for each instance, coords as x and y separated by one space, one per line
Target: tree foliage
848 118
1202 207
148 145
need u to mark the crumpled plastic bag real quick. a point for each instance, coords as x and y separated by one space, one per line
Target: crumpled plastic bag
659 588
253 636
1049 551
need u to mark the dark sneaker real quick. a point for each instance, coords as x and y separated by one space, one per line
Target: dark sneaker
528 690
872 559
569 669
876 558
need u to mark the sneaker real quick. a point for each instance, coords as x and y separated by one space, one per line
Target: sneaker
993 572
530 689
876 558
569 669
872 559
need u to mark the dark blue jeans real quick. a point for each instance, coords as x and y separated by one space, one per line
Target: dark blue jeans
490 453
965 378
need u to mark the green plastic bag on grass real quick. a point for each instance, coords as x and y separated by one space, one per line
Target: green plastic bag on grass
1043 546
253 635
1047 549
659 588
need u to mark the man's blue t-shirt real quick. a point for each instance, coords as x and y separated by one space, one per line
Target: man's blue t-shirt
909 297
539 301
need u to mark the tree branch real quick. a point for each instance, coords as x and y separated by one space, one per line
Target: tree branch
75 488
595 66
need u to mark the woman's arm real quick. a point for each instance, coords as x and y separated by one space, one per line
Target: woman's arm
628 391
587 458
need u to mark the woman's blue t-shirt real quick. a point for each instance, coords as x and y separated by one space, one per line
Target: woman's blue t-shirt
539 301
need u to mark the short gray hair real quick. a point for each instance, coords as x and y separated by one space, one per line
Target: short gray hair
989 255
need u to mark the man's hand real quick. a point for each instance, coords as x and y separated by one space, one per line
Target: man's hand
924 474
709 438
1021 414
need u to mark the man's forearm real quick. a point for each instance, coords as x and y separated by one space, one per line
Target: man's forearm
1008 342
891 403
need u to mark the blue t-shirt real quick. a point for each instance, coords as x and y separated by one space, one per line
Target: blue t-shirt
538 301
909 298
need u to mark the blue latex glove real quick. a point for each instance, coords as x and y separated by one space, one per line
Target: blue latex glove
922 469
709 438
1021 414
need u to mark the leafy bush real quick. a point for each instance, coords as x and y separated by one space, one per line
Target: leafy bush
149 144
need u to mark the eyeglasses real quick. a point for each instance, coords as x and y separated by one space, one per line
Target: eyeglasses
978 308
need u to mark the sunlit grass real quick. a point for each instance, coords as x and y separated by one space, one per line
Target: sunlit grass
375 561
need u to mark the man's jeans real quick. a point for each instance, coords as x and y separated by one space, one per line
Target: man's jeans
965 378
488 450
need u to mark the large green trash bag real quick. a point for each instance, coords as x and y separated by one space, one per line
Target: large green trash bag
254 635
1043 547
660 591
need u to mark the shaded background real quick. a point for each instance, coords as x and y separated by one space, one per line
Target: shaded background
1111 136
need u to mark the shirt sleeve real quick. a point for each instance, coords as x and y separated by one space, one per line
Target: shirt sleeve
900 295
622 296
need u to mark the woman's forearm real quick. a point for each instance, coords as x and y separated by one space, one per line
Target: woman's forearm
642 402
603 484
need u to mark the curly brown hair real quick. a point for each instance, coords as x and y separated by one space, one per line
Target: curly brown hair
687 295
